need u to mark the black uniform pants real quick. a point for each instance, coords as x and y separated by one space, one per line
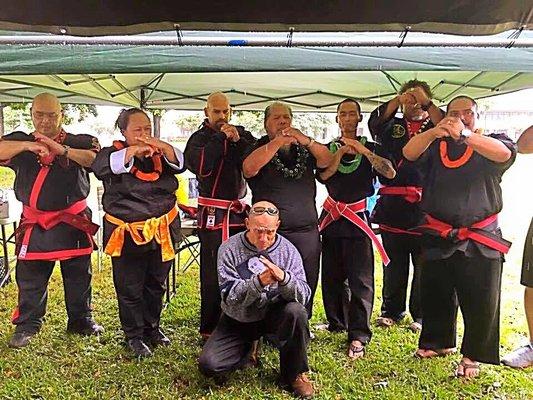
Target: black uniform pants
401 248
210 241
32 280
352 260
472 283
140 283
228 347
309 246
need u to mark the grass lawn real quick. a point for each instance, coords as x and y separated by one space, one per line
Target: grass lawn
57 365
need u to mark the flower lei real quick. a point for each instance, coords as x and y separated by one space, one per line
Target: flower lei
144 176
347 167
298 170
459 162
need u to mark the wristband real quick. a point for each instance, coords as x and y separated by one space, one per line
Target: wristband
465 134
67 148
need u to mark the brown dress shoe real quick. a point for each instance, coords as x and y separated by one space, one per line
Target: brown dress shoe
302 387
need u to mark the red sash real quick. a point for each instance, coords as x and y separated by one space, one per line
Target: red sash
235 206
392 229
47 220
337 209
412 194
475 232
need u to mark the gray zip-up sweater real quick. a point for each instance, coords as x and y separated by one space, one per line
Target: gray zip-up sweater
243 297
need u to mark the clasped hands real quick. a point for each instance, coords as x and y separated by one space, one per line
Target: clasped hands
271 274
148 146
45 147
449 127
292 135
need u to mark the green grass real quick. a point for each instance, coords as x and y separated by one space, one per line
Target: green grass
57 365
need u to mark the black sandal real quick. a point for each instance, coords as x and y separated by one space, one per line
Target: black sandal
355 352
466 366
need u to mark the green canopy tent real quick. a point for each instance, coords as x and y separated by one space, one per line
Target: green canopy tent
311 70
169 75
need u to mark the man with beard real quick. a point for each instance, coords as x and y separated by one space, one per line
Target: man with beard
214 154
281 170
462 246
523 356
398 208
346 235
52 182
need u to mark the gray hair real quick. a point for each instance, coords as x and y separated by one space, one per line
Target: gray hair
275 104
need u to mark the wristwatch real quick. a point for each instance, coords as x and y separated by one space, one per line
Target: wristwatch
465 134
67 148
426 106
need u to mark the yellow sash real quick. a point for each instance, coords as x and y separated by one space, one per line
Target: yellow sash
143 232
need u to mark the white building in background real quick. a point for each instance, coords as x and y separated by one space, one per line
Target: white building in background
510 122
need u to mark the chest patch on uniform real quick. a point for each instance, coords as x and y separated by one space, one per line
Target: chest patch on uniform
398 131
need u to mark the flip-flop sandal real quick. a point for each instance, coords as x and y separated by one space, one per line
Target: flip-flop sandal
466 366
415 327
355 352
385 322
433 353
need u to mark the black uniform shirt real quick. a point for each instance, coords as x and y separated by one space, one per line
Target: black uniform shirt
392 134
295 198
350 188
66 183
462 196
131 199
217 164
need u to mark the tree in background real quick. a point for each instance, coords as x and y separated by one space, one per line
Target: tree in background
312 124
251 120
189 122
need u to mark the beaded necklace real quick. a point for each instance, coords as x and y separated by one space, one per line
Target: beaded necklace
347 167
420 130
298 170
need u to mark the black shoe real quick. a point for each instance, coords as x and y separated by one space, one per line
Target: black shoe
20 340
85 327
139 348
157 338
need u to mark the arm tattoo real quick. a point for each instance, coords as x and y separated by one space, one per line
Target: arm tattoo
382 165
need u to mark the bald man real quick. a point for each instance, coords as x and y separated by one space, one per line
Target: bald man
214 154
52 182
264 291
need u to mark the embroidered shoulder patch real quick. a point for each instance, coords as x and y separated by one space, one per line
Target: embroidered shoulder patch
398 131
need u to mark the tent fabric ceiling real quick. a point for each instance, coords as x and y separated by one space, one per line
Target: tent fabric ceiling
309 78
85 17
305 91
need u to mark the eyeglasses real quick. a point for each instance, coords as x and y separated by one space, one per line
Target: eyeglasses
43 115
261 210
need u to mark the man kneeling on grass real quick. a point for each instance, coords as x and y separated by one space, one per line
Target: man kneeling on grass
264 291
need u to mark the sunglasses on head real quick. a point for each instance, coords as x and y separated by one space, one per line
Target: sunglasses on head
262 210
